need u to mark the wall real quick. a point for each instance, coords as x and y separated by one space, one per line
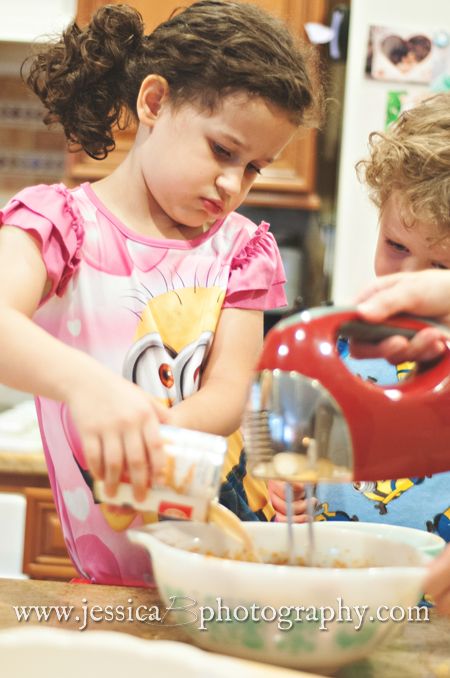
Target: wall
27 20
364 111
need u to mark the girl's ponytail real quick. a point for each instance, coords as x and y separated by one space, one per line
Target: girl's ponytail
82 79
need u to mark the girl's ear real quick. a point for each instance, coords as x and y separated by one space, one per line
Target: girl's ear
153 93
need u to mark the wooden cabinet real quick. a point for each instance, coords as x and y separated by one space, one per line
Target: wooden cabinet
289 182
45 555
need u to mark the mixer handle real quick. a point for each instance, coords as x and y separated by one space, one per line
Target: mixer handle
373 333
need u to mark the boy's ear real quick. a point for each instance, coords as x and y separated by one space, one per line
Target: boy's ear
154 91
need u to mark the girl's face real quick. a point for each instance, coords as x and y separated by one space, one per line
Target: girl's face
199 166
401 248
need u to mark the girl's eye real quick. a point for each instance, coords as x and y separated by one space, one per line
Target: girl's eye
436 264
397 246
224 154
254 169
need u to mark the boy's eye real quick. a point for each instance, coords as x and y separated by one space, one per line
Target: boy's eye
220 151
436 264
397 246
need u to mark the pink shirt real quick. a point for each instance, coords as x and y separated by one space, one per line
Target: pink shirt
146 308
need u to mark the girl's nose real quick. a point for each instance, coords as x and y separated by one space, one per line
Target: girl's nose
230 181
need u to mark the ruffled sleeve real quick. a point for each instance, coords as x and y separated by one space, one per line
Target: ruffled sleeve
49 214
257 275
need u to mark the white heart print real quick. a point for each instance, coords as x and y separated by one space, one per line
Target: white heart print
77 503
74 327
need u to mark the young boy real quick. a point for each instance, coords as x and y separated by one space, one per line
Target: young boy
408 175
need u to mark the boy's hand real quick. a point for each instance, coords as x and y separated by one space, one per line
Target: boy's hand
425 346
437 584
424 293
118 425
299 507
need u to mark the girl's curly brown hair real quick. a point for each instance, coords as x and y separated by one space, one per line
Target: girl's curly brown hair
90 78
412 159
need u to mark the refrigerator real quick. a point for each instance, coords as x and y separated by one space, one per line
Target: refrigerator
380 83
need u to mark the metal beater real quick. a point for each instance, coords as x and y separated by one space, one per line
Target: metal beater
295 431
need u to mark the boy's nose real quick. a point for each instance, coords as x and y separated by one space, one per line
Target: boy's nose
412 264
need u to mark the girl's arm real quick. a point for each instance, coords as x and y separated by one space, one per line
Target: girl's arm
219 404
116 420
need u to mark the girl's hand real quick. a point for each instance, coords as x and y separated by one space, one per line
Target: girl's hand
437 584
118 425
425 293
299 506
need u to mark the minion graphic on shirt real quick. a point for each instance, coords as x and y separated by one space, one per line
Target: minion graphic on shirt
384 491
327 514
172 342
440 524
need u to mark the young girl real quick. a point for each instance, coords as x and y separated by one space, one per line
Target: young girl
408 174
119 299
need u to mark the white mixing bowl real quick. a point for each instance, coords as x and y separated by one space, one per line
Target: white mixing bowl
427 542
283 614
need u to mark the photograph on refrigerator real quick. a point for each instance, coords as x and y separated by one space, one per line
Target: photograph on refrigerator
407 54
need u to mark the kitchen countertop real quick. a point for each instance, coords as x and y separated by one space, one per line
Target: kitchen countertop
23 463
19 470
20 442
420 650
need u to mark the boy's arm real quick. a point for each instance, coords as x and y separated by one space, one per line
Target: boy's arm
437 584
425 293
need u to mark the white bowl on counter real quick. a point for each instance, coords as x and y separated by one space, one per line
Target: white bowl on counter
356 571
52 653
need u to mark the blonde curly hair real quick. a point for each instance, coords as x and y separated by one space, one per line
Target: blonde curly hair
412 159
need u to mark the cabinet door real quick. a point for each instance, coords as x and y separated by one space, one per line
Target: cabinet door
291 180
45 554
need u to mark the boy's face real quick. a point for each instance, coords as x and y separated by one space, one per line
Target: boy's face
199 166
403 248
